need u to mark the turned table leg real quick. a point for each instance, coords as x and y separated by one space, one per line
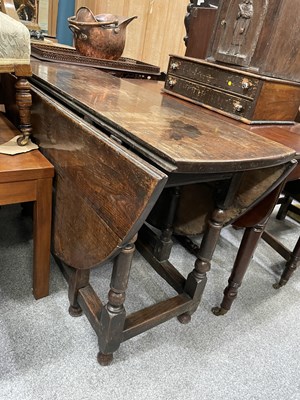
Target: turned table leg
196 280
290 266
255 222
164 243
284 208
79 278
113 314
246 250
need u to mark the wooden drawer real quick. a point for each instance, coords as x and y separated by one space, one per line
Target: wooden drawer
243 95
229 81
269 41
204 95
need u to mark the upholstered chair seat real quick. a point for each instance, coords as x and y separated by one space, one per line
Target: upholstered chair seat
15 58
14 42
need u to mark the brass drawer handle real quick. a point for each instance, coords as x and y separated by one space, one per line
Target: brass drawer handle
237 107
246 84
174 65
172 82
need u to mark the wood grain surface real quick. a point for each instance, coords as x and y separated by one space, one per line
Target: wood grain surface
103 192
23 167
189 137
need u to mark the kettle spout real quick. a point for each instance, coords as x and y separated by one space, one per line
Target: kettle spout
123 22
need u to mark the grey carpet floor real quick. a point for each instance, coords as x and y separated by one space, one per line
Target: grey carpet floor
251 353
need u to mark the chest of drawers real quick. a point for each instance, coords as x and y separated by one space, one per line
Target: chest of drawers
249 97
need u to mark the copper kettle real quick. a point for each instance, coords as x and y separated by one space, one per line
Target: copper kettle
99 36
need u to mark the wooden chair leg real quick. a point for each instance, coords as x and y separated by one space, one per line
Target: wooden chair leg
24 103
246 250
290 266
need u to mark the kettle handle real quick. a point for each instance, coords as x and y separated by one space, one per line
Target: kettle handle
77 32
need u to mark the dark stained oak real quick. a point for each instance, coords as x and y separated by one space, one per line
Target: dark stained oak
255 221
178 139
288 136
241 94
199 23
116 146
190 139
22 97
103 192
263 43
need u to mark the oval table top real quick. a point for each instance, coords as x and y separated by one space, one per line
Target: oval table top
179 136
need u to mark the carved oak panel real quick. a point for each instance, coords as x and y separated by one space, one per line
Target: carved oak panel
240 30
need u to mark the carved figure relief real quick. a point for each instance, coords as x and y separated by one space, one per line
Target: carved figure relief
240 28
241 25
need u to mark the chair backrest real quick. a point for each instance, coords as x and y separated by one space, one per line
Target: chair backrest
8 7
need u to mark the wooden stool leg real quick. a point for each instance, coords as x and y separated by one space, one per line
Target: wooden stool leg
113 314
290 266
41 238
248 245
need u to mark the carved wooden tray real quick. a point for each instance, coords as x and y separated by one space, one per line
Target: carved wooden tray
124 67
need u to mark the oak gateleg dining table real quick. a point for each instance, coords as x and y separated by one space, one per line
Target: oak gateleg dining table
118 146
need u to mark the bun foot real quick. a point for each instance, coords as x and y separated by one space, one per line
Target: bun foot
104 359
184 318
279 284
219 311
75 311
